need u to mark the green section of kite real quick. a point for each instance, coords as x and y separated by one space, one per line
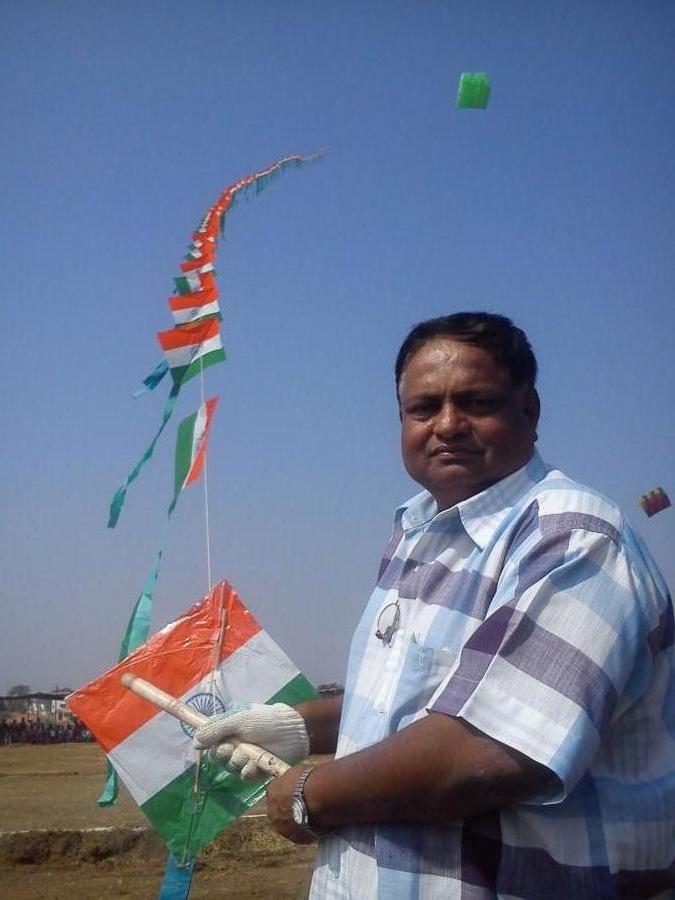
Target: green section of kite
473 91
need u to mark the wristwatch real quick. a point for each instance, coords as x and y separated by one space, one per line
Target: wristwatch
298 805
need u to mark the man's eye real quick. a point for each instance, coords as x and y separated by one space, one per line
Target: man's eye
483 404
421 411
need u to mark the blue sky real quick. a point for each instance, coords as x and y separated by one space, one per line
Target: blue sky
124 120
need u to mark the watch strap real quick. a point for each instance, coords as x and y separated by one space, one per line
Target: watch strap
298 796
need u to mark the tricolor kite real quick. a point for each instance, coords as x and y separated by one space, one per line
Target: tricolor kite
214 656
187 309
191 349
191 441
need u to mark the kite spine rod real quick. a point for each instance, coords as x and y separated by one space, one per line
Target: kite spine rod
266 762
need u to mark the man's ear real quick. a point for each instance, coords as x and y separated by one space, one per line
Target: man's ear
532 408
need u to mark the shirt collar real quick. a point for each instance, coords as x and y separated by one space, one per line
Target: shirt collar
481 514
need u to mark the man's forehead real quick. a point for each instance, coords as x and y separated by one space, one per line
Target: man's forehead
445 360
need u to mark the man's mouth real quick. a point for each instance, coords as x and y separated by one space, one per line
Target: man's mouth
452 451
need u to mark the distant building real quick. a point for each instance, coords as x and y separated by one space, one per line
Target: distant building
37 706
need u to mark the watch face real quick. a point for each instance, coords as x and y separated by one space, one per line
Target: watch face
299 813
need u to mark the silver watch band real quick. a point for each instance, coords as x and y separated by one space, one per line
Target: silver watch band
299 789
298 798
300 811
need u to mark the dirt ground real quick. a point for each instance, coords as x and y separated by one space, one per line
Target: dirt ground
56 843
56 786
281 878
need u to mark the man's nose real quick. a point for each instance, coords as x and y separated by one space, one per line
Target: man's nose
450 420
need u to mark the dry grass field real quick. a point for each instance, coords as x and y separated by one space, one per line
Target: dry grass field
56 843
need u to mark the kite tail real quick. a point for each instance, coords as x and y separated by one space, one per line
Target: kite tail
110 788
177 879
151 381
120 495
138 628
258 181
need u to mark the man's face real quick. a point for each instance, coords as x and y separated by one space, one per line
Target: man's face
464 425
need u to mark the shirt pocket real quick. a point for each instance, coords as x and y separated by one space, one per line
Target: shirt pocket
425 668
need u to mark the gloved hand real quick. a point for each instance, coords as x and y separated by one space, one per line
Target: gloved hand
276 727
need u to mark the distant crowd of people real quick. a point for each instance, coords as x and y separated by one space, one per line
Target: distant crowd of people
25 731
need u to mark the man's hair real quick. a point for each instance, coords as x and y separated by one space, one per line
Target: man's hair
506 344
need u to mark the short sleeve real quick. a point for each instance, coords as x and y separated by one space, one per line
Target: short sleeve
544 671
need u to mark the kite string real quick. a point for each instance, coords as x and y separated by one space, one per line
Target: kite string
223 617
206 488
217 647
198 794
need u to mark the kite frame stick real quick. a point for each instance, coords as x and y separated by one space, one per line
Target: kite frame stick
265 761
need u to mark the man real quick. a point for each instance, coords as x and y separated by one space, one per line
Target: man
508 724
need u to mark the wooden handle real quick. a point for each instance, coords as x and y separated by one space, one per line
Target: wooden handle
266 762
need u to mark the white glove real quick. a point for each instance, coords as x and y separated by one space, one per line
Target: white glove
277 728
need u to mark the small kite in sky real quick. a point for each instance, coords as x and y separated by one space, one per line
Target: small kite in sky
473 91
654 501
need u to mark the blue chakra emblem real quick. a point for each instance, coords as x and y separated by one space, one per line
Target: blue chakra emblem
206 704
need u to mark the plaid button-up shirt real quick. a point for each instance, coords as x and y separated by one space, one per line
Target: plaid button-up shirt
533 612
